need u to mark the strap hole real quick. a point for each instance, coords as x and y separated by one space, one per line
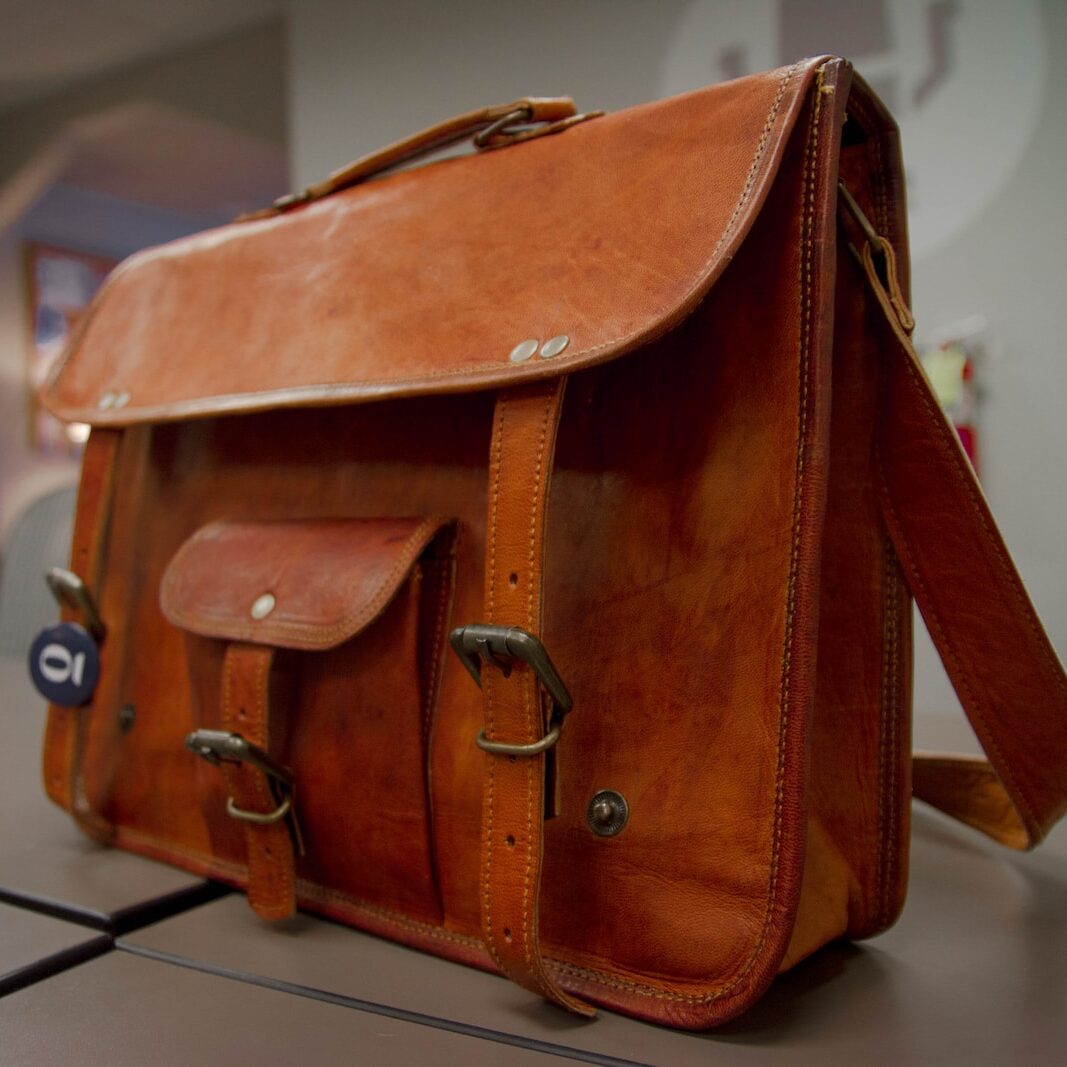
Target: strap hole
507 935
509 841
513 579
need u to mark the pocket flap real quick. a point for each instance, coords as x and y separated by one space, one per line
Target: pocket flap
293 584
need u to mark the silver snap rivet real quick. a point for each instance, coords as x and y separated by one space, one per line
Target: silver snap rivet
607 813
106 401
121 399
263 606
523 350
554 345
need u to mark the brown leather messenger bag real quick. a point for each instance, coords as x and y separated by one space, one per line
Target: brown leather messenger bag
513 555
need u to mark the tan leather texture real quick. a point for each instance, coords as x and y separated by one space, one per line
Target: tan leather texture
325 580
493 250
712 505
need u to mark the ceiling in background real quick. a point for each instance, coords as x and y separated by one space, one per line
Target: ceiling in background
157 155
46 45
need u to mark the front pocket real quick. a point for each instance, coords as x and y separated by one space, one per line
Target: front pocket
357 611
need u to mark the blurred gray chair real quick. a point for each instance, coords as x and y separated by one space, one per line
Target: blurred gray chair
39 539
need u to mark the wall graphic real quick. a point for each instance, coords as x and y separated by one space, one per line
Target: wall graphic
964 79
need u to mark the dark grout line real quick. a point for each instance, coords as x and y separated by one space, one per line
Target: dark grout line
55 964
370 1007
125 920
96 920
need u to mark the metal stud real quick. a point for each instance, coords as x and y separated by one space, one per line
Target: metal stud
554 345
263 606
107 400
523 350
607 813
127 717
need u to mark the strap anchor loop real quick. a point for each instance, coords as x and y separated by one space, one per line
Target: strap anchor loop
499 646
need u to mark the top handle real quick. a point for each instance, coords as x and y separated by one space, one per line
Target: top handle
490 127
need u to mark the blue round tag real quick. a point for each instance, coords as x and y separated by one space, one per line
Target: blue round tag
65 664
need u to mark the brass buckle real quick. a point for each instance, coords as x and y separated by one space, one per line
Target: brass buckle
498 646
219 746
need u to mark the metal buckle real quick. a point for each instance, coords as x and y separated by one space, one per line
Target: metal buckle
496 645
882 258
219 746
70 590
486 138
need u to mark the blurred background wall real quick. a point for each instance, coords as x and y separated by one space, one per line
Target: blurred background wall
979 86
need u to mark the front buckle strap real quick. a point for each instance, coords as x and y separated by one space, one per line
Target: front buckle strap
499 646
221 746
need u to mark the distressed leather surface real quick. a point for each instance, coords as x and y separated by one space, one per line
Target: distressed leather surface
427 280
328 579
718 588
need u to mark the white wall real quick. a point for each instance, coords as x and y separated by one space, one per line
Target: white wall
363 74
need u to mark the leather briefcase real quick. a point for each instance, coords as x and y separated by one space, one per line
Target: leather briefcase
513 555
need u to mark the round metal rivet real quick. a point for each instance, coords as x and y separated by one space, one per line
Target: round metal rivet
127 717
263 606
523 350
607 813
106 401
554 345
121 399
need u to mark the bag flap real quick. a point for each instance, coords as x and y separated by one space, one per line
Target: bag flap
300 584
426 280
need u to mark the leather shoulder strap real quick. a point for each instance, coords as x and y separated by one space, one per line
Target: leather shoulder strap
981 620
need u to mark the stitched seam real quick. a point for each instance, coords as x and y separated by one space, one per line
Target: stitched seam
536 970
880 857
99 529
195 406
490 845
348 626
277 834
887 835
653 992
307 889
887 799
897 758
933 619
893 766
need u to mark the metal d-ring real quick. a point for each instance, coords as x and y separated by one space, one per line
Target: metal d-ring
257 817
484 138
535 748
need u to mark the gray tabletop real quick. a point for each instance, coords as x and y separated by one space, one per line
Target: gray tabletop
33 947
122 1009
